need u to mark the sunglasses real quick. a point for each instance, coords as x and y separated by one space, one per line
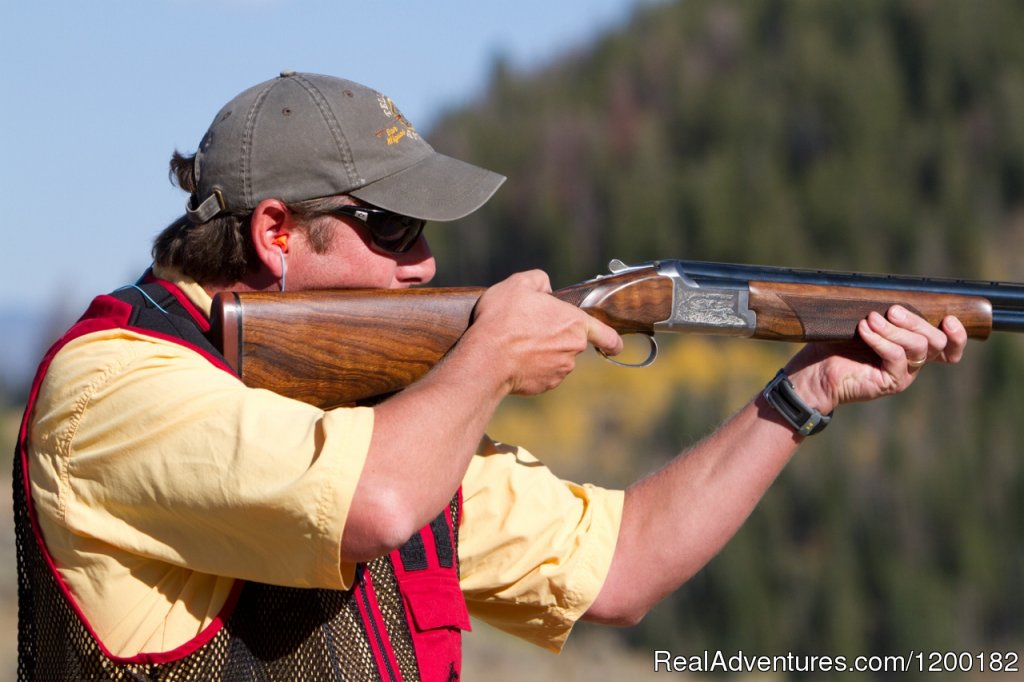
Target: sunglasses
389 231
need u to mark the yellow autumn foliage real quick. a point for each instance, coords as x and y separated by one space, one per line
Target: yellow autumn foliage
598 419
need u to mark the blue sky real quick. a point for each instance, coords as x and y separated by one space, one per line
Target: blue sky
98 94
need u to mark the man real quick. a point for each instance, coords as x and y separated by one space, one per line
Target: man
174 522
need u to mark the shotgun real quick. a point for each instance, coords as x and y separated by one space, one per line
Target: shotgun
332 348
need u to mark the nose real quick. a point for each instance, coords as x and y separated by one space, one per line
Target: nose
417 265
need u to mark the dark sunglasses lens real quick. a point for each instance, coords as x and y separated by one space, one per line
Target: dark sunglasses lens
389 231
395 232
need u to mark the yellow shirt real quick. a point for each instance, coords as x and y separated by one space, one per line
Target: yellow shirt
159 480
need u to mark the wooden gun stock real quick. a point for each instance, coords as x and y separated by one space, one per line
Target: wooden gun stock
331 348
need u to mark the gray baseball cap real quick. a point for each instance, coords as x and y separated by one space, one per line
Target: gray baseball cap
304 136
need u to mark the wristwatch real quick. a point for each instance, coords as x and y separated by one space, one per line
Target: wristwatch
804 419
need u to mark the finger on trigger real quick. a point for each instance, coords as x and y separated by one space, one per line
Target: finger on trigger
603 337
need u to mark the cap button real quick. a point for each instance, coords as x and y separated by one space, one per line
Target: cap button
287 72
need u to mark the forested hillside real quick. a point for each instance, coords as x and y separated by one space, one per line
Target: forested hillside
875 135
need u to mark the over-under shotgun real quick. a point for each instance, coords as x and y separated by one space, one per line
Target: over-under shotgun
340 347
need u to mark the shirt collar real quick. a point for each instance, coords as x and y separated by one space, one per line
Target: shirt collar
192 289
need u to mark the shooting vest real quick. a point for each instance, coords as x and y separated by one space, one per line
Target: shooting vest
401 620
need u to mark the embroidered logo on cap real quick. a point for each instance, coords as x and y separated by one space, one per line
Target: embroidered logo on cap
395 133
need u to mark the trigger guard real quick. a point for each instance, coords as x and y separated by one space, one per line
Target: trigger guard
651 357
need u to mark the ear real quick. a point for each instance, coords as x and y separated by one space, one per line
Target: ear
272 227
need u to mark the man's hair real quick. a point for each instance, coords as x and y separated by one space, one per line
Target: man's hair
221 251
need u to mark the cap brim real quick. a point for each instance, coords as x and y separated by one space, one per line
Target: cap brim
436 188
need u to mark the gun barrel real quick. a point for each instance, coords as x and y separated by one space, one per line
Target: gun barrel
1007 298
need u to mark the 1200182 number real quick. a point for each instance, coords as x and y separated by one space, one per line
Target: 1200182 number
995 661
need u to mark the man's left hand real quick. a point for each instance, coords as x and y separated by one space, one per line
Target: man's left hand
885 360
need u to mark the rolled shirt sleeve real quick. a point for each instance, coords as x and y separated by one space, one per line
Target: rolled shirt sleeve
534 549
164 456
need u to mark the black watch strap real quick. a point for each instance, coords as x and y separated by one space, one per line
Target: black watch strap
804 419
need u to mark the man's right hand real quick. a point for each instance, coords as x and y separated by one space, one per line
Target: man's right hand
534 336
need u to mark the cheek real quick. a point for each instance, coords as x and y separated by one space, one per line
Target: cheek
382 276
351 262
364 269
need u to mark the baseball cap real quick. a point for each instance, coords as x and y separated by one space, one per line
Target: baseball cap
304 136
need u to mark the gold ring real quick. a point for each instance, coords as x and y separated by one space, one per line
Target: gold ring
914 364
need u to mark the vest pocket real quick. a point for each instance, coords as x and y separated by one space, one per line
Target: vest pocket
434 602
438 615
